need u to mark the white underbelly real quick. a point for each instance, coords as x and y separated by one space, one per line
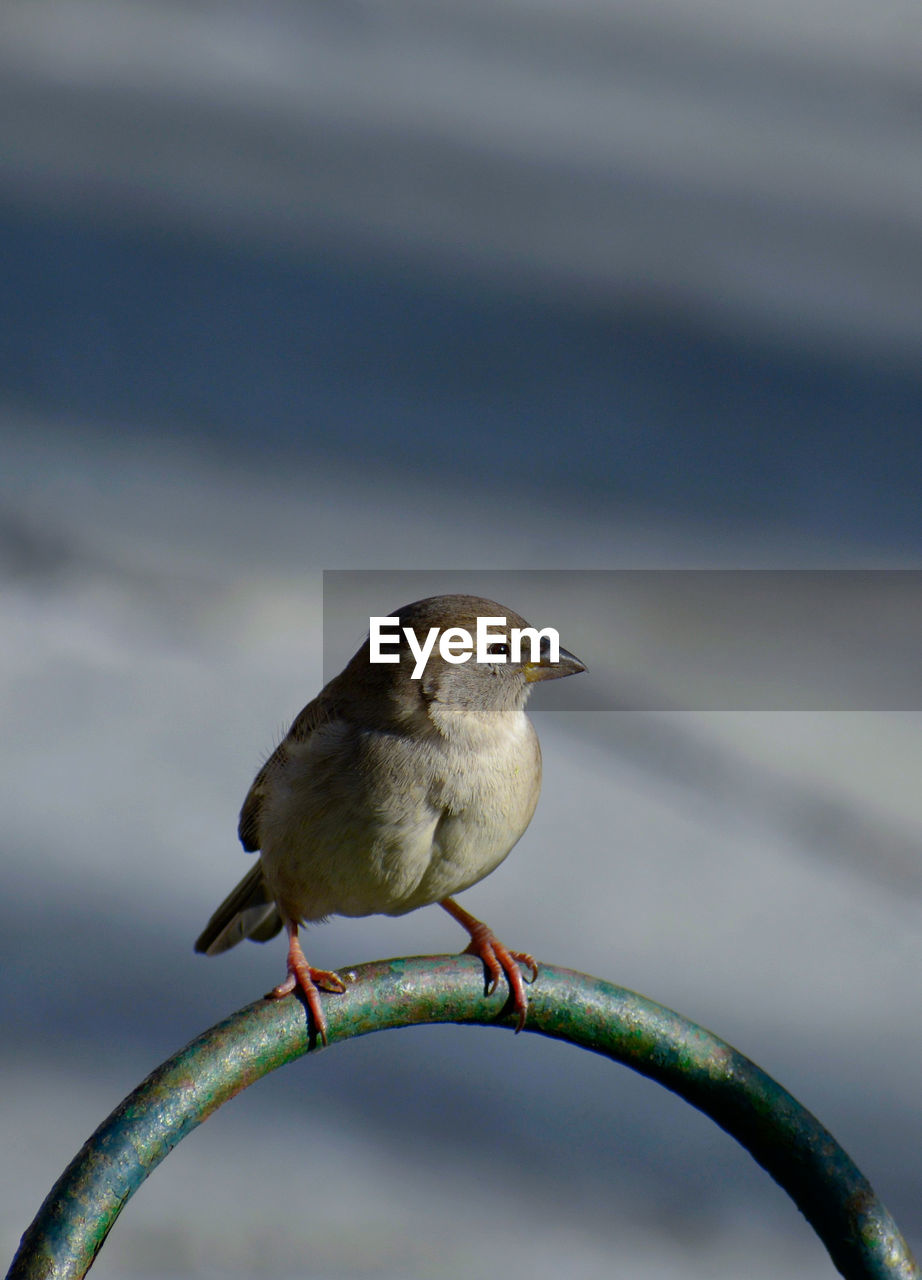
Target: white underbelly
332 848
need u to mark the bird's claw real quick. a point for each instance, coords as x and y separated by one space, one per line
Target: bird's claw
312 982
499 962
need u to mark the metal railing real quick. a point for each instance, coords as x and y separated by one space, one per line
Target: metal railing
72 1224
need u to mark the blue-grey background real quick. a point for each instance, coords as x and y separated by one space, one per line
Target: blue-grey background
290 287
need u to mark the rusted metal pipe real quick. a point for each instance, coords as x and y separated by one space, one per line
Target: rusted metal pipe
778 1132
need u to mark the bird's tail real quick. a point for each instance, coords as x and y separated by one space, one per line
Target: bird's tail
247 912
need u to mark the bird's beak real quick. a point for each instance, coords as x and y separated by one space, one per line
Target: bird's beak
567 665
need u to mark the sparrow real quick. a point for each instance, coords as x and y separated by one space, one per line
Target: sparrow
396 788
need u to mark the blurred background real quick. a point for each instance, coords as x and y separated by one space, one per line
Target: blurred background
469 286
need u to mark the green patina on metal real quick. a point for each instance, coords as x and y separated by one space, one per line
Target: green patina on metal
69 1229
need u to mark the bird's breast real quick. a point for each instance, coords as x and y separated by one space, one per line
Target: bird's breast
368 822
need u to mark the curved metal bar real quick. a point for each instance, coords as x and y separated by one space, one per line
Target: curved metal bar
779 1133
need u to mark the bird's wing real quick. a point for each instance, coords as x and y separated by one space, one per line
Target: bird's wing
248 911
320 711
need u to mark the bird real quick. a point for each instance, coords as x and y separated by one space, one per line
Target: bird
399 786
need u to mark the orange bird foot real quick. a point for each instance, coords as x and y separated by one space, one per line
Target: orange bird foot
497 959
311 981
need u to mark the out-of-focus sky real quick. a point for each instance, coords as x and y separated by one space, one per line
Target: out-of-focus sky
292 287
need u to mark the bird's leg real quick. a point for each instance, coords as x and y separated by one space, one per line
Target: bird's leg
498 959
300 974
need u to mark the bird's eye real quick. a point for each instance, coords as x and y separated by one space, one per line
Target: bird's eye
499 650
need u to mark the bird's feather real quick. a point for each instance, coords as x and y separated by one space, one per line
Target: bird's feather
317 712
248 911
